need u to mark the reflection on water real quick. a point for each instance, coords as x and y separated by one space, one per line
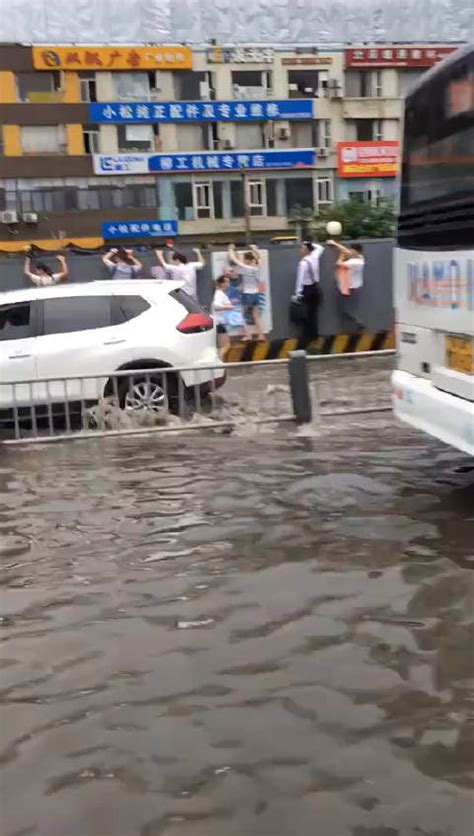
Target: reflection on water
238 636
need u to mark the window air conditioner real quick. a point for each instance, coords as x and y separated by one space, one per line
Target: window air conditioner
335 93
30 217
284 133
227 145
322 152
9 217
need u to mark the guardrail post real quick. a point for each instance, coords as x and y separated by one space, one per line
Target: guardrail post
299 386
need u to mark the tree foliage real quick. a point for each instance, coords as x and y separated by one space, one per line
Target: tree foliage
359 219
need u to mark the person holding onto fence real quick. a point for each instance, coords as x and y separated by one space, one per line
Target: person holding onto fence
350 280
180 269
249 270
121 263
307 295
43 276
221 305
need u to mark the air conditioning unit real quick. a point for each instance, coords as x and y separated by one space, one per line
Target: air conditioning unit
227 145
30 217
333 82
335 93
9 217
322 152
284 133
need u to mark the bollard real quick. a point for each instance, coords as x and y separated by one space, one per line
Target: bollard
299 387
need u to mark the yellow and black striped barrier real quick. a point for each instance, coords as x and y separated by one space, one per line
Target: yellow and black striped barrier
241 352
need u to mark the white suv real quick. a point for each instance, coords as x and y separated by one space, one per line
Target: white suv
95 329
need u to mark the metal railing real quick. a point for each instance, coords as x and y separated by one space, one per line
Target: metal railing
180 399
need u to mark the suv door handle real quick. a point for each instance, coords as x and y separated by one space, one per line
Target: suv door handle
113 342
18 356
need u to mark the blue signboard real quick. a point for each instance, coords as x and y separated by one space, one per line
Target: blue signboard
234 111
145 229
225 161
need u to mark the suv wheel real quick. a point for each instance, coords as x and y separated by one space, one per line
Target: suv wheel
138 394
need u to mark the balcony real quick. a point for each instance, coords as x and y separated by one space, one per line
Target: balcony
371 108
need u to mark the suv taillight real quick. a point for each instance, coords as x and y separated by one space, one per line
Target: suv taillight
194 323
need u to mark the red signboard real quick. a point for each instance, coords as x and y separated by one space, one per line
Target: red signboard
396 56
367 159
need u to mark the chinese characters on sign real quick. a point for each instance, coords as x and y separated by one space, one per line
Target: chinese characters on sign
112 58
233 111
396 56
178 163
240 55
145 229
367 159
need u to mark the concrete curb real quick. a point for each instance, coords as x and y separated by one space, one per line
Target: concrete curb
335 344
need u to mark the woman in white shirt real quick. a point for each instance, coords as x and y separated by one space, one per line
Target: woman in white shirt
307 287
220 305
183 270
350 280
43 275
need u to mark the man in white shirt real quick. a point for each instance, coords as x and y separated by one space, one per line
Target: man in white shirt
350 280
307 287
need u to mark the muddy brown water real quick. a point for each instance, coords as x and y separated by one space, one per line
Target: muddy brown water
238 636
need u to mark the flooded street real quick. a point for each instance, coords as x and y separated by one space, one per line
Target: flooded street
265 635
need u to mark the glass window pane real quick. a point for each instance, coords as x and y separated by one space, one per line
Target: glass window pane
236 199
183 195
84 313
15 321
299 192
271 197
217 190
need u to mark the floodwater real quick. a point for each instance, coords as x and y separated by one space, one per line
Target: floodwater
266 635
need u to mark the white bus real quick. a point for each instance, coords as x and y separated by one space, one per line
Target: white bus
433 386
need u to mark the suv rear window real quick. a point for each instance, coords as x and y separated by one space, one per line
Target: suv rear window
77 313
187 301
128 307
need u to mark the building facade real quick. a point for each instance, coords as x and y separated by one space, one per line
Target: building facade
124 142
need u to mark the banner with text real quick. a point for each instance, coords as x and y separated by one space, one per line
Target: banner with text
234 111
112 57
145 229
367 159
176 163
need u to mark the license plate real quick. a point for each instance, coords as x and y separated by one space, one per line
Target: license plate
459 354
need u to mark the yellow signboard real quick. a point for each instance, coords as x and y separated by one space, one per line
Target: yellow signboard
112 57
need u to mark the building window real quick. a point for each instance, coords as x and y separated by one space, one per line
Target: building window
203 200
324 185
364 84
256 197
251 84
406 78
271 189
193 86
138 137
132 86
237 198
91 136
88 87
303 134
217 194
323 133
183 198
373 196
43 139
299 192
368 130
306 84
39 87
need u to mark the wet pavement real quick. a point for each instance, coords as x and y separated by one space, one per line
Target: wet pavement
238 636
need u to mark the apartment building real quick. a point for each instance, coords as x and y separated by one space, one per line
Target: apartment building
126 142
